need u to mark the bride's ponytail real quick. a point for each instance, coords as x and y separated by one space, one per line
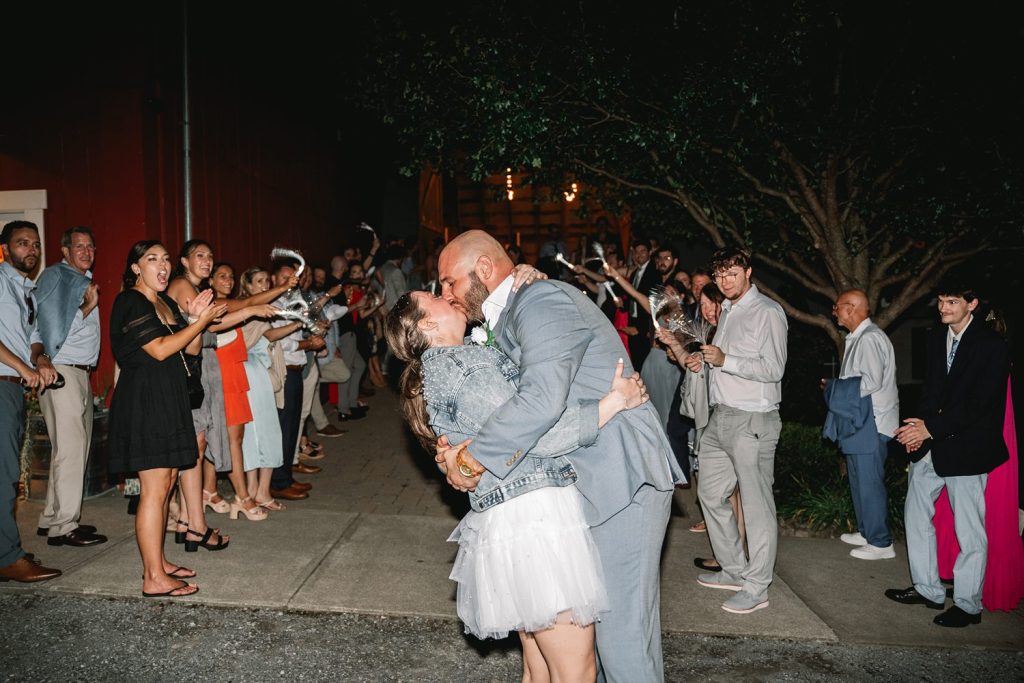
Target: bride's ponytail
407 342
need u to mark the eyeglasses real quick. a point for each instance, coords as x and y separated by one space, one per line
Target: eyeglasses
728 274
31 304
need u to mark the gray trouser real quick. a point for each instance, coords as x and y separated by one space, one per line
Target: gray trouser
348 392
629 634
967 498
12 427
738 449
68 415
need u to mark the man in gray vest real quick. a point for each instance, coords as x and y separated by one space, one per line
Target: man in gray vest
69 325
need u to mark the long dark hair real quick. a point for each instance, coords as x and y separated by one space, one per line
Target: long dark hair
407 342
135 254
213 271
714 294
186 251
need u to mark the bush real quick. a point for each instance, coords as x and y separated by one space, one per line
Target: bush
811 487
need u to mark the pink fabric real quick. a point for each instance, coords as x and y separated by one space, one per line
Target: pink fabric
1004 571
620 320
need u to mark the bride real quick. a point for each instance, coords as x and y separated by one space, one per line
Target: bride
526 561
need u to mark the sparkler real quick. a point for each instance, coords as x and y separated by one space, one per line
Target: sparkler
280 252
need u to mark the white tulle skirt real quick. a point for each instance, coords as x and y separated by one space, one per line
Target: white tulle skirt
523 562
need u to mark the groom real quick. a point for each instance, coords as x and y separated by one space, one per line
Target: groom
566 350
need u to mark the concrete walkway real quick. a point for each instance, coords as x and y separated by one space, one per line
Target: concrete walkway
371 539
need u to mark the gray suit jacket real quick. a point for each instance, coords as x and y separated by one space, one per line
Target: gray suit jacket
566 351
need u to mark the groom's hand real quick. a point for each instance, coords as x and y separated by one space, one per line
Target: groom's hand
463 471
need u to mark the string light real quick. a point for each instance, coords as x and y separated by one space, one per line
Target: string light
571 194
508 184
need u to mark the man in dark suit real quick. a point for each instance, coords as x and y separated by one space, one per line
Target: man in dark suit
645 277
955 443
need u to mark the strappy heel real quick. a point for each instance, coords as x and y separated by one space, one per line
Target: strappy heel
179 536
193 546
221 506
256 514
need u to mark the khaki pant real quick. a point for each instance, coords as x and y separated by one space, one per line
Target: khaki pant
68 415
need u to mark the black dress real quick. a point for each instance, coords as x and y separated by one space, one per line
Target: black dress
150 416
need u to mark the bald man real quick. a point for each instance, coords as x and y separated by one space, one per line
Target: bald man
566 351
869 356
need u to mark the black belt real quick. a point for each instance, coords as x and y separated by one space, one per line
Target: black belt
296 367
83 368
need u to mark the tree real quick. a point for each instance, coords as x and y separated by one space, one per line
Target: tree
848 148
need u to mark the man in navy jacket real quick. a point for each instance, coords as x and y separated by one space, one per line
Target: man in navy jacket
955 443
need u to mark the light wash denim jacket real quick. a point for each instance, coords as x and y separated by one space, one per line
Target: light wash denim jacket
462 385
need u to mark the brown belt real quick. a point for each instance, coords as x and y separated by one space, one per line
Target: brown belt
296 367
11 378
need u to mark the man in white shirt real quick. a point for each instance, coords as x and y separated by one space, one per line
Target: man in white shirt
69 324
870 356
738 446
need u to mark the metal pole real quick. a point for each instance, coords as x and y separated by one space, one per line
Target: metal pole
185 133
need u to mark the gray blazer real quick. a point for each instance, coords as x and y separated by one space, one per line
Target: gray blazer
566 351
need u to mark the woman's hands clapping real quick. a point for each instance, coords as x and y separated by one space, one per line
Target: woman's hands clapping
204 308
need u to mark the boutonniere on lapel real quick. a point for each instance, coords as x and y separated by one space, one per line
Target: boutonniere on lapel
482 335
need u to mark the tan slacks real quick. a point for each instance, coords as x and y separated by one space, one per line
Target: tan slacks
68 415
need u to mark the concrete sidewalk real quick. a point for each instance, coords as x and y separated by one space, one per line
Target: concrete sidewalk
371 539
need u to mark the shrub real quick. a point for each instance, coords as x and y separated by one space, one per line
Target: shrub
811 487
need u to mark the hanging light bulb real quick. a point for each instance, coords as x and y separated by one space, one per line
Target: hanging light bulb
570 195
508 184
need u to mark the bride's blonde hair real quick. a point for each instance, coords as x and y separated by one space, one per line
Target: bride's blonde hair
408 342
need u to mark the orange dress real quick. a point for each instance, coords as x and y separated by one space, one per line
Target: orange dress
232 358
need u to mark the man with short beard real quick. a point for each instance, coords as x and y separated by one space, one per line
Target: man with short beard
22 361
565 348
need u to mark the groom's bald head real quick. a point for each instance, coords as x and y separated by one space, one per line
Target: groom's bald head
470 267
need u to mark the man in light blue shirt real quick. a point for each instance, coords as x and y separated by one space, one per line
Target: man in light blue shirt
870 356
22 362
69 326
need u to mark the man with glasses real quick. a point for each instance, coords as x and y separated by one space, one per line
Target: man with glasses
22 363
864 393
69 326
737 449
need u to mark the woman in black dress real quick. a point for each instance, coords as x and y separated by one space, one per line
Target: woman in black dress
151 428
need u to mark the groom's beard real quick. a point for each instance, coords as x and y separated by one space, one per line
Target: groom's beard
474 298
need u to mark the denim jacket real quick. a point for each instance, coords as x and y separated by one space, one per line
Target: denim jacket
462 385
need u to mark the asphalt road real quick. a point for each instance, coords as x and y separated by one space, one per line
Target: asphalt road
64 638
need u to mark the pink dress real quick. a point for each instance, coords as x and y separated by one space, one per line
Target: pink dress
1004 570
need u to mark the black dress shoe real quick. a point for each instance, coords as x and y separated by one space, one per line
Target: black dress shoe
345 417
77 539
955 617
910 596
84 528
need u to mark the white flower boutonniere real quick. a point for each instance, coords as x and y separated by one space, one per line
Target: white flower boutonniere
481 335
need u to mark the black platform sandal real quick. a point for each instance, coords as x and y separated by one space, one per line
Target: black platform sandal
193 546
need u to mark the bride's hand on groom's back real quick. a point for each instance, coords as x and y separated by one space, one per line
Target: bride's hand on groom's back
524 274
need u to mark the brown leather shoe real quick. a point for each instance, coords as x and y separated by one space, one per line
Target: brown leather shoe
303 468
330 431
290 493
24 571
302 485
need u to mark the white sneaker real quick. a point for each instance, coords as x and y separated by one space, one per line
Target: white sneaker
873 552
854 539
